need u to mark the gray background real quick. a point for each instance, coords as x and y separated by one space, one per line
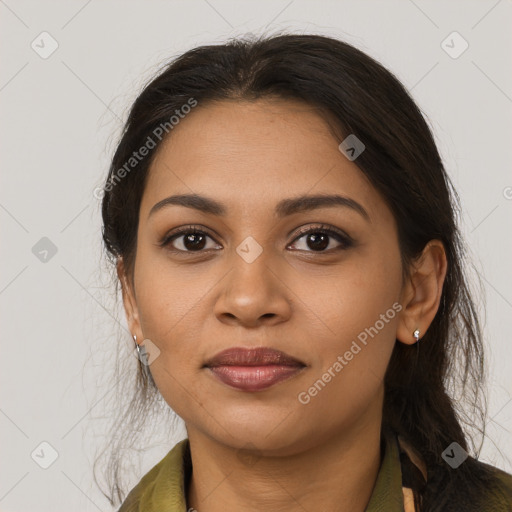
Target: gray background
60 118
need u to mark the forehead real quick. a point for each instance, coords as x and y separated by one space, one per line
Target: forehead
252 154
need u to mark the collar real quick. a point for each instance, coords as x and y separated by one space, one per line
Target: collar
163 487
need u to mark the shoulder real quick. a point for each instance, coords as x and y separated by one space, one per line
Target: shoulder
481 487
498 497
144 488
161 484
474 486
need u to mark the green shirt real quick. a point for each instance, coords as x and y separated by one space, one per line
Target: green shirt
163 488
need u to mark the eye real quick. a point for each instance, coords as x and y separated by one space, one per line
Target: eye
188 239
318 239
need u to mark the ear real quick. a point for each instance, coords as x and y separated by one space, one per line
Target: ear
422 291
129 301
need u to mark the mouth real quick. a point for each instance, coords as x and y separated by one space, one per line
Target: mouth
253 369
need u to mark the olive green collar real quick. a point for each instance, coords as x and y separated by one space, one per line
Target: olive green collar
387 493
163 487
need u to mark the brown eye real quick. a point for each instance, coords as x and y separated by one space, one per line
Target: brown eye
318 239
188 240
193 241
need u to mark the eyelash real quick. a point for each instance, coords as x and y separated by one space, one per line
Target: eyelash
340 236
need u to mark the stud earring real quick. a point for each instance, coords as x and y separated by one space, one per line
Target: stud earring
416 335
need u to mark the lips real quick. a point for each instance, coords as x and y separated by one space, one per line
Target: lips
253 369
259 356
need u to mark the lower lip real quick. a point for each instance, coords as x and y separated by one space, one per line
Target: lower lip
254 378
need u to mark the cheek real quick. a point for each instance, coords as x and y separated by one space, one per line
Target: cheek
375 280
171 306
357 295
172 300
167 295
351 366
360 306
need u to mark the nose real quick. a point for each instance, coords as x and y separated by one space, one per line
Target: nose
254 294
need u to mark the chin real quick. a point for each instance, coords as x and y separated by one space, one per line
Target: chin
268 434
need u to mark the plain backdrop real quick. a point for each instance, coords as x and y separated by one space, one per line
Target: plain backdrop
61 114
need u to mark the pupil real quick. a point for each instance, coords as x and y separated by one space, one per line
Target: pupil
194 246
318 241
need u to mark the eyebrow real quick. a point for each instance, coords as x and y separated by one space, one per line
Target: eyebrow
284 208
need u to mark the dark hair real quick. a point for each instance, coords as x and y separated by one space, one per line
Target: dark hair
424 384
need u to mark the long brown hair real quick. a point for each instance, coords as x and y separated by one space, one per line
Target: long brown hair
423 383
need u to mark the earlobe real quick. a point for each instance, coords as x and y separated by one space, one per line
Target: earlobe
422 293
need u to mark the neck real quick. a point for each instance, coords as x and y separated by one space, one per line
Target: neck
337 473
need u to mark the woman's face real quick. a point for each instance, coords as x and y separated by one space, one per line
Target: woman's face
253 280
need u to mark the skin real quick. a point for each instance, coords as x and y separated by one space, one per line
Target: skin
253 450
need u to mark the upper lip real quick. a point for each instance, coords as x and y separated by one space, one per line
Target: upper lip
258 356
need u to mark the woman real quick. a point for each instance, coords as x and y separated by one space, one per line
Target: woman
285 237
